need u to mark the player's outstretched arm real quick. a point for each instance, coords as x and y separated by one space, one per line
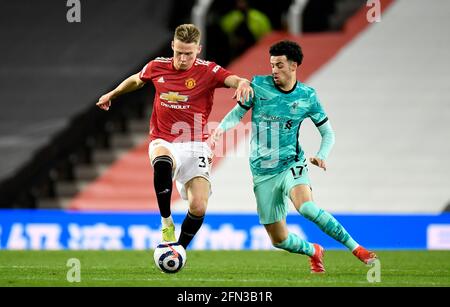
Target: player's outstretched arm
328 139
244 91
130 84
229 121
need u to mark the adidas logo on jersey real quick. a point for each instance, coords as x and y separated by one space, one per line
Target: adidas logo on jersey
161 80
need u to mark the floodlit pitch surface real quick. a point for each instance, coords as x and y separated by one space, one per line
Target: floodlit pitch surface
221 269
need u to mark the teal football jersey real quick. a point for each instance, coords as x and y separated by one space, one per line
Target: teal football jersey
276 120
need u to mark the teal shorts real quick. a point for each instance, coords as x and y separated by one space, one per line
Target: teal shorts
272 192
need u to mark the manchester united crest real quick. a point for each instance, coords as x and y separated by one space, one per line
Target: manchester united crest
190 83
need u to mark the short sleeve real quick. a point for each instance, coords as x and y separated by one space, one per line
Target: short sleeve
219 74
146 72
317 113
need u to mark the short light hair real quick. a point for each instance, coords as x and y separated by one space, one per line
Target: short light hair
187 33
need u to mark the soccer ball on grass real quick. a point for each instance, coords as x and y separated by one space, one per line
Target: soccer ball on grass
170 257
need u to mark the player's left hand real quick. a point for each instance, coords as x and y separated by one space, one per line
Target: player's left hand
318 162
244 91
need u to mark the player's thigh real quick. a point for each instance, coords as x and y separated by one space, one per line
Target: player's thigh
277 231
300 194
161 151
296 184
270 201
194 164
198 191
159 148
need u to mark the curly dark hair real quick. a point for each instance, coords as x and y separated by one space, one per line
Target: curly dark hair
290 49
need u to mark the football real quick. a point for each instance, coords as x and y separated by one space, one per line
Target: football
170 257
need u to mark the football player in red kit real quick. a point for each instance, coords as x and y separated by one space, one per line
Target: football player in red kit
183 99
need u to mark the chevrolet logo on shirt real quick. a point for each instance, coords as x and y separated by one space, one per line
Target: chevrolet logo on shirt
174 97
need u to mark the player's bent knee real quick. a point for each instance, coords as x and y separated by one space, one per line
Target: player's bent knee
161 151
197 205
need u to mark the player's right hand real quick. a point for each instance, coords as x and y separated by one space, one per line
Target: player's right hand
318 162
244 91
104 102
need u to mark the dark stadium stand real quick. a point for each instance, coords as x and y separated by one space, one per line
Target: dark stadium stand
52 73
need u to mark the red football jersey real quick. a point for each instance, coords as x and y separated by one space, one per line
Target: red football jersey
183 99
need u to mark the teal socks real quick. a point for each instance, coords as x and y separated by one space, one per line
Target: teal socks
294 244
328 224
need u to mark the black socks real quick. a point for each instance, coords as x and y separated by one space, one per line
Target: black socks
189 228
162 181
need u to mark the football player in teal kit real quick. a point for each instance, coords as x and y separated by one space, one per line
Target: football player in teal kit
277 161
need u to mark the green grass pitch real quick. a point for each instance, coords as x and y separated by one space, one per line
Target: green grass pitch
222 269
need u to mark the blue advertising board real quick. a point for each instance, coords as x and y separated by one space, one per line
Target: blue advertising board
56 229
